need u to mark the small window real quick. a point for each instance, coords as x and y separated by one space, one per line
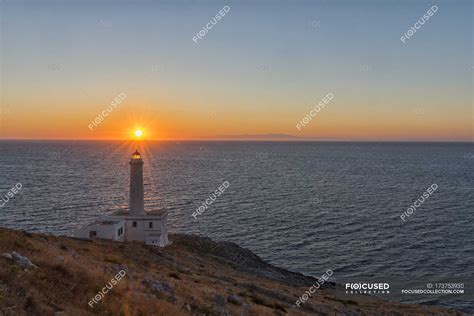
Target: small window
150 224
93 234
134 224
120 231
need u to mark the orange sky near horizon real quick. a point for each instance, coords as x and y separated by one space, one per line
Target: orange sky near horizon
259 72
329 123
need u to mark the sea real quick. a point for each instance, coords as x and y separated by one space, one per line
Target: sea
308 207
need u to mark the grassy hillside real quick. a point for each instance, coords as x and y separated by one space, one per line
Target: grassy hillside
193 276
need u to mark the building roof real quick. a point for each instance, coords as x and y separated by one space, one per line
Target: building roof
148 215
121 212
105 222
126 212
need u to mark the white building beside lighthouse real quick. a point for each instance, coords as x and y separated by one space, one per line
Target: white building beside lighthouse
135 224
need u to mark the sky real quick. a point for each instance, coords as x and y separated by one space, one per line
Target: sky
259 70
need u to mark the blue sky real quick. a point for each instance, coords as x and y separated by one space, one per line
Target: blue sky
259 70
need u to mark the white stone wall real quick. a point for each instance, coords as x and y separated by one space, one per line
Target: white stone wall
142 231
107 231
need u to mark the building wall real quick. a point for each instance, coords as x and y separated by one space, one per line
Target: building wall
164 229
107 231
142 231
157 235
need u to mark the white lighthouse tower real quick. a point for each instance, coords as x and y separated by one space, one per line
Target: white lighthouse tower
136 185
134 224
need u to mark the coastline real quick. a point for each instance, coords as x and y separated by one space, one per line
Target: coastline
194 275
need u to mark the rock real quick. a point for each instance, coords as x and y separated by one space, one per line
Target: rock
143 295
59 311
7 255
349 313
157 286
219 300
246 306
172 299
234 299
188 308
185 270
119 267
24 262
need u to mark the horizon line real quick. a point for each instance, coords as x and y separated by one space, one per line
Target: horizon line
240 140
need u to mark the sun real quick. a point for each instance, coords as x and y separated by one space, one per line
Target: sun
138 133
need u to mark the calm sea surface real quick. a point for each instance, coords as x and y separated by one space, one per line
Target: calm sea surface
305 206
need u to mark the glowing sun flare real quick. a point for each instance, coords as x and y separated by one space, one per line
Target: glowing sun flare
138 133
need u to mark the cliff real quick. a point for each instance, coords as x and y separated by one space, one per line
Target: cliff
51 275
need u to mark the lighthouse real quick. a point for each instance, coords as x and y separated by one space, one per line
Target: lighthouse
136 185
134 224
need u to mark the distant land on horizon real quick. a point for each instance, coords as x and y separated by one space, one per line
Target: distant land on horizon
254 137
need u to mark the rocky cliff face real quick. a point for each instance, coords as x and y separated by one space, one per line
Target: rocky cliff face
50 275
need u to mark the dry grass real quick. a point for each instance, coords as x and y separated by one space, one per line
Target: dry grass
70 272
